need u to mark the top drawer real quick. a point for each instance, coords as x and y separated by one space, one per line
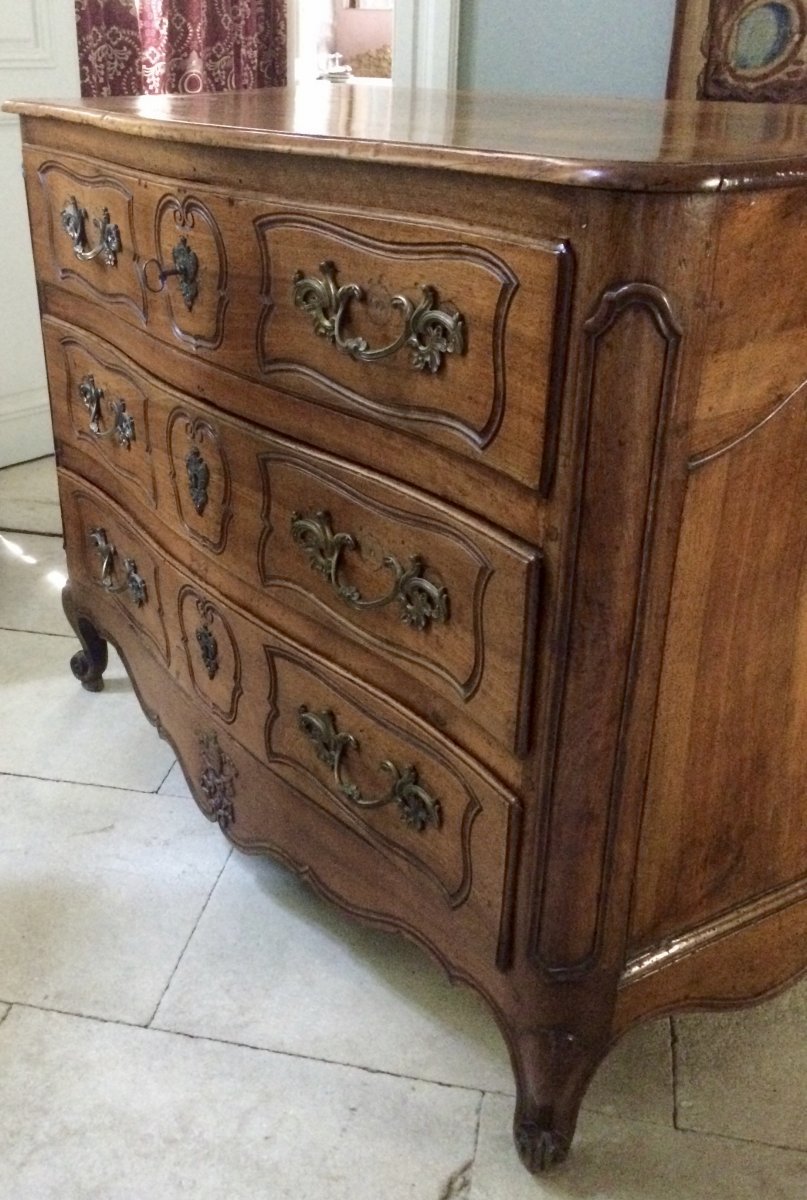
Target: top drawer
456 338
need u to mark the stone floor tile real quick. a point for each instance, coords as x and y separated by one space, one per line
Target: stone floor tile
175 783
744 1073
95 1111
32 571
29 498
54 729
635 1082
272 965
614 1159
99 892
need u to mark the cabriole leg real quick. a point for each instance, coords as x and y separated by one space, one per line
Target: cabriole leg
553 1069
89 663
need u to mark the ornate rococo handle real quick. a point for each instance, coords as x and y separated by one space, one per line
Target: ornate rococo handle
74 219
429 332
133 582
417 808
420 600
122 427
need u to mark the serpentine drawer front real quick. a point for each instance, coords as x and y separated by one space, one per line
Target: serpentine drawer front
429 812
450 601
457 339
440 476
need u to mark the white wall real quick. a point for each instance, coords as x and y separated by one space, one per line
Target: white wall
38 57
585 47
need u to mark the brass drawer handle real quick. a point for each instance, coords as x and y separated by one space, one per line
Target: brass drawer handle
416 807
133 582
421 601
74 219
429 332
122 427
186 268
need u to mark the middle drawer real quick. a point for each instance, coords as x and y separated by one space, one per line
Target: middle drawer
427 594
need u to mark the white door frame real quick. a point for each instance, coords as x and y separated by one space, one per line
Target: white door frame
38 57
425 43
425 40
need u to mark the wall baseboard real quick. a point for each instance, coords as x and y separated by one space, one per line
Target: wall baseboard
25 431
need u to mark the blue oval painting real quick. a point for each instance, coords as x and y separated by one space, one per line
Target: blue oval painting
762 36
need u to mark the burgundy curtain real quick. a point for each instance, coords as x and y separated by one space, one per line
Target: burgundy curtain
127 47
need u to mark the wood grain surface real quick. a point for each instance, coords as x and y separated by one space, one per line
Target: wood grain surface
605 480
589 142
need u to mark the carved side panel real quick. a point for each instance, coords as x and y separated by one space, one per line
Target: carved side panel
730 737
628 378
190 246
88 197
200 476
214 661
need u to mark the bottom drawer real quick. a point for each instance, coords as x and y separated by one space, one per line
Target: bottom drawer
292 756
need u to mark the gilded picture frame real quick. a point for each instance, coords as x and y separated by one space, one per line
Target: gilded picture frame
739 50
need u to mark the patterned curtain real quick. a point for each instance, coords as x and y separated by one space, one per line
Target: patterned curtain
127 47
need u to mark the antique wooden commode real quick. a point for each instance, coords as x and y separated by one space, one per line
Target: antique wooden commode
436 463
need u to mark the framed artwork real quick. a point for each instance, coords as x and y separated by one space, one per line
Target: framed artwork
739 50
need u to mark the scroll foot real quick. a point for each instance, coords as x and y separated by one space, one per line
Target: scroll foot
553 1067
539 1146
89 663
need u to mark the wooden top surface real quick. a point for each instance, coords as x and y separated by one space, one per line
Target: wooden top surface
626 144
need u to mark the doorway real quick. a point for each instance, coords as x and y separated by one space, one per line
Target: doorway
412 42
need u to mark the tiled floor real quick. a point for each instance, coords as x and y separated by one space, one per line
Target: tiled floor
177 1020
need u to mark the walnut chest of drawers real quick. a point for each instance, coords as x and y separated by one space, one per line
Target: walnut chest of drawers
436 464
